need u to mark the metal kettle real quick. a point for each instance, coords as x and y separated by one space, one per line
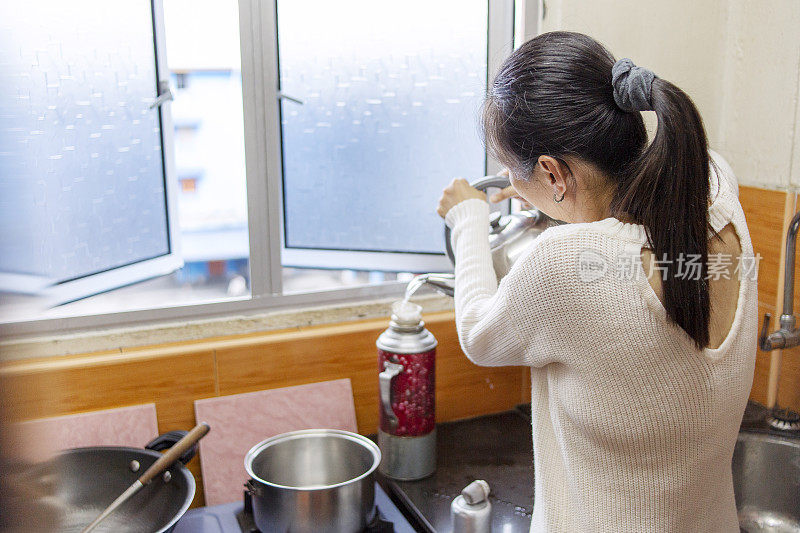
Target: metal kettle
509 236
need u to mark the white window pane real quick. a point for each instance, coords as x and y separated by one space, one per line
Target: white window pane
81 171
391 94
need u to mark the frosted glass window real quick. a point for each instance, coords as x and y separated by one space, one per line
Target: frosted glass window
390 97
81 170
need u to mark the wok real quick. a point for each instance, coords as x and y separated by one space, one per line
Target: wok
89 479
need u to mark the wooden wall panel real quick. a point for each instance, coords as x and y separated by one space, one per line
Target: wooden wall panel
465 390
761 375
175 375
170 378
789 387
462 389
765 211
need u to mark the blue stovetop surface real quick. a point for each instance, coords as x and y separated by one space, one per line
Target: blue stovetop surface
222 518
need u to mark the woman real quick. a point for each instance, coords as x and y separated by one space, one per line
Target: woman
638 318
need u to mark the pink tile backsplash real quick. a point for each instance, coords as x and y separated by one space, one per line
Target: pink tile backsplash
39 439
239 422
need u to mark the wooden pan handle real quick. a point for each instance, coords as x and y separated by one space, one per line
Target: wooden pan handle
172 454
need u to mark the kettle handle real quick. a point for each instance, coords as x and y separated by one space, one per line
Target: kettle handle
486 182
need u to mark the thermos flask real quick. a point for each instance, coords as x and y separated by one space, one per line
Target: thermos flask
406 367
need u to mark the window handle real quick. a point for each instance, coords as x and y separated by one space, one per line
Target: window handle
284 96
164 95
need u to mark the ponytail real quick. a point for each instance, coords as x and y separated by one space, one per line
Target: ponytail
556 96
666 189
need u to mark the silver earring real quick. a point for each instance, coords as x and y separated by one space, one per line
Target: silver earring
558 200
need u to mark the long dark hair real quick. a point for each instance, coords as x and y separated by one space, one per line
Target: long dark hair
554 96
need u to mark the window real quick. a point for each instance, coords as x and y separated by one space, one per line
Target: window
84 188
304 150
382 116
199 165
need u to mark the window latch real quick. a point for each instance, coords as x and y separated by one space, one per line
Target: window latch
284 96
164 95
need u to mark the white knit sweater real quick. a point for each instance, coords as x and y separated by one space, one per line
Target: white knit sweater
633 426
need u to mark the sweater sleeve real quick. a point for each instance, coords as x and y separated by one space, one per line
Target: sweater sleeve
486 329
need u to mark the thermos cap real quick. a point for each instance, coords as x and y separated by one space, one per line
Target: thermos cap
406 314
406 332
476 492
471 511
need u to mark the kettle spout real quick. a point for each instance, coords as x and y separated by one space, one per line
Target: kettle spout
442 283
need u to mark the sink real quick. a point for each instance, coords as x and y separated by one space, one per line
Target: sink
766 479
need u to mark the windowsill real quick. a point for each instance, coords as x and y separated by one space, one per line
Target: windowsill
193 330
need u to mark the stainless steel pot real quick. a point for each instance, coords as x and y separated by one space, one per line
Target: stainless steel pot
315 480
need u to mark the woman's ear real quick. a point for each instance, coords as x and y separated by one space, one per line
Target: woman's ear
557 174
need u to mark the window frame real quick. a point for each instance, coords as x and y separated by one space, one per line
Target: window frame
259 63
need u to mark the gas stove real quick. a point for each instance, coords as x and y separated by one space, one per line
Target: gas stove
237 517
497 448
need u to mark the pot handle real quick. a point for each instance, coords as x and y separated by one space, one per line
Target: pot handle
481 184
385 378
168 440
253 488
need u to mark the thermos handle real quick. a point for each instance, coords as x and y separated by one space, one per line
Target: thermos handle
385 382
486 182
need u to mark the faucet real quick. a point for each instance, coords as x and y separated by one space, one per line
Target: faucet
787 336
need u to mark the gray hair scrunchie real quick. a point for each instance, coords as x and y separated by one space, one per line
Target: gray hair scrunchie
632 86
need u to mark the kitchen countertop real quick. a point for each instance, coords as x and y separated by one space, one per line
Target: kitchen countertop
497 448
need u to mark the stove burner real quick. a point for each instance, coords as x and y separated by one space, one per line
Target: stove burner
247 523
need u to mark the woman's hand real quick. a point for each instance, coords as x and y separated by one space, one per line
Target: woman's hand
504 194
509 192
455 193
